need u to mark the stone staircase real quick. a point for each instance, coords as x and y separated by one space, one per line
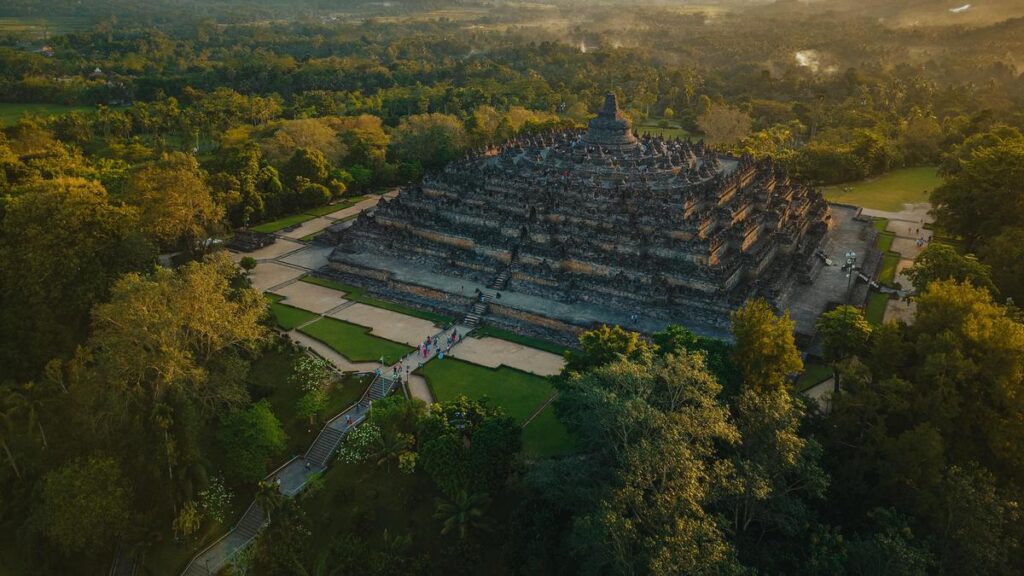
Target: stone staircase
478 311
501 280
324 446
251 523
379 388
244 532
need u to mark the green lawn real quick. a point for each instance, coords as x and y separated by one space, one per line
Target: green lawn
355 342
518 393
667 133
884 241
539 344
10 113
874 311
288 317
887 275
545 436
34 27
887 192
305 215
813 375
282 223
357 294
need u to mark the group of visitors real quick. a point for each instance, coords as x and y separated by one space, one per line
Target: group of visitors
443 347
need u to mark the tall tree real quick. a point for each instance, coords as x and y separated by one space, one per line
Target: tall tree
175 202
845 333
62 245
764 350
86 505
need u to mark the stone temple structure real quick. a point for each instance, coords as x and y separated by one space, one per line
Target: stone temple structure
576 228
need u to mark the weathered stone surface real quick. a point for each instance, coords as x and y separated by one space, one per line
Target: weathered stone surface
668 229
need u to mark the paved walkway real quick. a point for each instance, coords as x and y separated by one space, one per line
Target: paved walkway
323 222
294 475
822 393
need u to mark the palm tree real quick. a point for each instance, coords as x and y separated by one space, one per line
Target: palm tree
7 432
389 446
268 497
463 513
33 401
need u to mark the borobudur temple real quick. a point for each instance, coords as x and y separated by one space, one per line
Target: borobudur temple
567 230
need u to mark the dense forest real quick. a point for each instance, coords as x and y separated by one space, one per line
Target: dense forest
157 128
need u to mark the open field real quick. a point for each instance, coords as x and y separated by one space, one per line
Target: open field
670 132
36 28
355 342
887 192
11 112
519 394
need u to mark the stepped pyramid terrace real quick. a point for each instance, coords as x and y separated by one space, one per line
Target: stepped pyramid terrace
579 228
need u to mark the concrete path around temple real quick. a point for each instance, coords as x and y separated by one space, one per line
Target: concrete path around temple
310 227
494 352
579 313
913 213
311 297
822 393
909 234
267 275
387 324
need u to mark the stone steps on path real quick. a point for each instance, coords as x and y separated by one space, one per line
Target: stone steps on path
284 284
324 446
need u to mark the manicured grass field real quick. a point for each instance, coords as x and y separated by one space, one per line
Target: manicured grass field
667 133
288 317
282 223
887 275
518 393
545 436
874 311
10 113
357 294
355 342
887 192
529 341
813 375
294 219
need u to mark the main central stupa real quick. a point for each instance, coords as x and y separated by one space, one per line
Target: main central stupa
577 228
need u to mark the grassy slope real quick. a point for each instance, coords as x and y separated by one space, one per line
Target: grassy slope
887 192
355 342
518 393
